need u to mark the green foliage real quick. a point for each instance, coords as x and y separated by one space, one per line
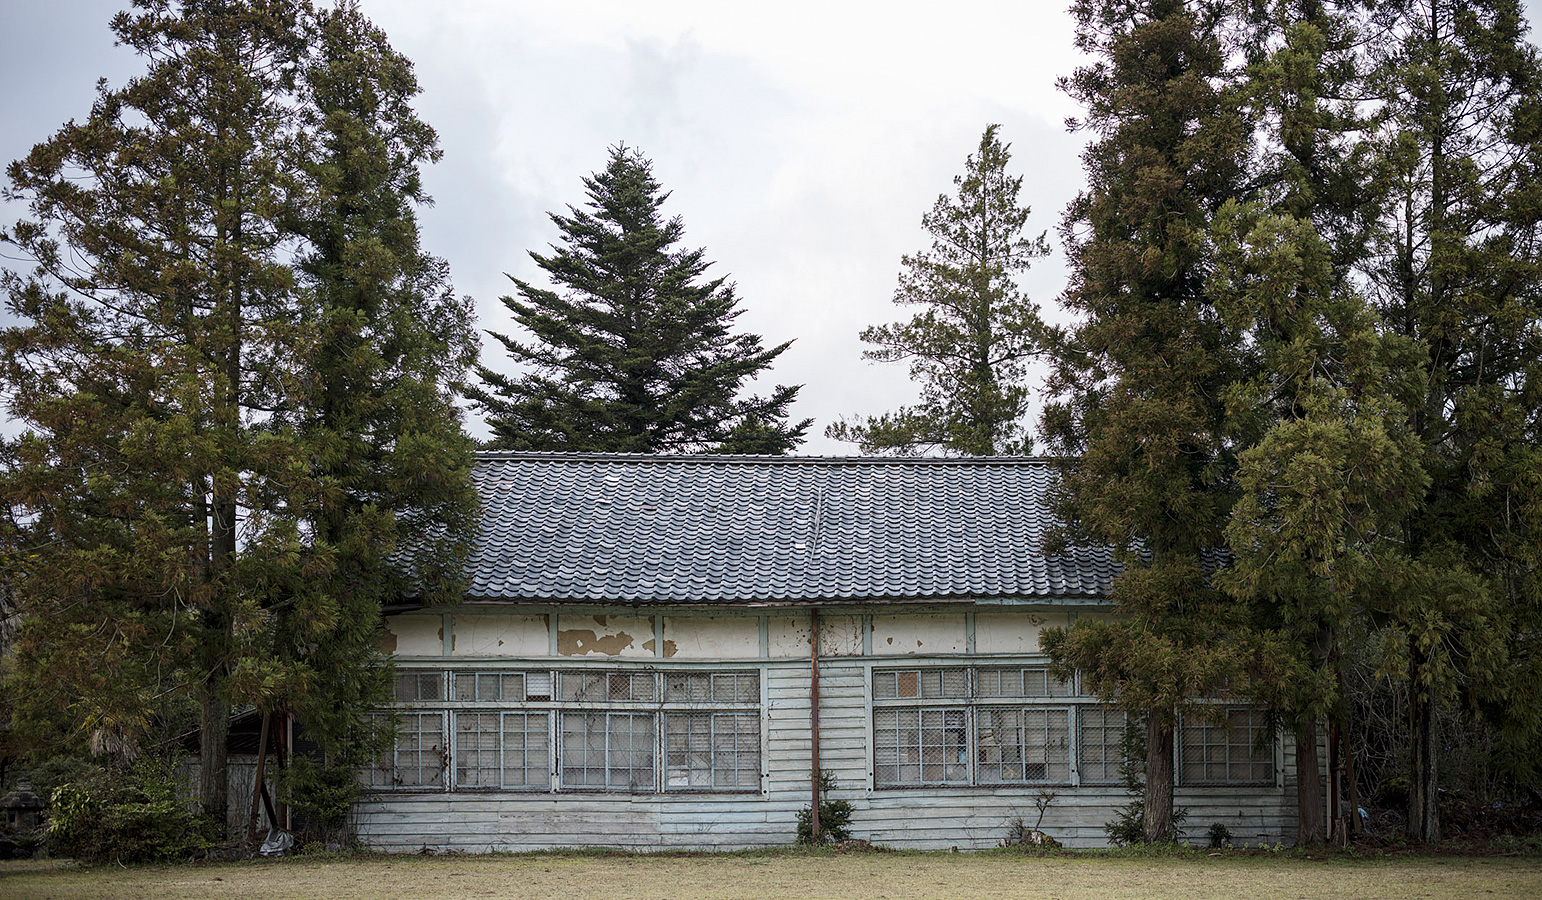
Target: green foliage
969 345
834 816
236 372
322 795
1219 835
126 815
634 354
1138 415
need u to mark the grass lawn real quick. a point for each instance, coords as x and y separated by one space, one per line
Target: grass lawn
775 875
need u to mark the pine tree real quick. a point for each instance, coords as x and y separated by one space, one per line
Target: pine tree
180 487
1139 417
969 346
636 355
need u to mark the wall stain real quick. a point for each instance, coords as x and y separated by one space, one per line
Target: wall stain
387 641
648 645
670 649
582 641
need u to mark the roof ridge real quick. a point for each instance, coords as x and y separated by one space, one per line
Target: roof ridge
765 459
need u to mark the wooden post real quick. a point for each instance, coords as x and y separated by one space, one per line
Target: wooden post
813 721
257 791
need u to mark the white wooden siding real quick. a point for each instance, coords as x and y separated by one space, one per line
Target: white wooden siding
930 818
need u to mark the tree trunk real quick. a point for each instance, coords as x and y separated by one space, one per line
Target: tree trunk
1423 781
1157 819
213 729
1309 789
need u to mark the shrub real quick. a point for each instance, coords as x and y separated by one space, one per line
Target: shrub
834 816
323 795
127 815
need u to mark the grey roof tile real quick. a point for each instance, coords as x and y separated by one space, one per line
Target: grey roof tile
734 529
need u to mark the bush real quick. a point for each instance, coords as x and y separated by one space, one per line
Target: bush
834 816
322 795
127 815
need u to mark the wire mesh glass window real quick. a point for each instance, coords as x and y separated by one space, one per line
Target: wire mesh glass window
1235 750
612 751
721 687
608 686
501 750
711 751
1019 744
508 687
1021 681
919 684
416 687
418 758
920 746
1100 736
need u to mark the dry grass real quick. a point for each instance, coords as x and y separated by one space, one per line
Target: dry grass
752 877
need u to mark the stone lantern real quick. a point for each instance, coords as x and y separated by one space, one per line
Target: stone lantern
21 807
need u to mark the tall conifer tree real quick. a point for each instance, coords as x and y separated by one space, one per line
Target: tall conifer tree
199 415
635 353
1140 419
1457 267
969 345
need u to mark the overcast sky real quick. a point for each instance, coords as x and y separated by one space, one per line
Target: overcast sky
800 141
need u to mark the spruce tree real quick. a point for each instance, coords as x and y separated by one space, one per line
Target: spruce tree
1139 417
204 423
633 353
969 345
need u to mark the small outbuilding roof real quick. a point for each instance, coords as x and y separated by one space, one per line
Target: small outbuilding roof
630 529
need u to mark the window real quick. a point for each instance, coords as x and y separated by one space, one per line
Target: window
501 750
712 751
635 731
1100 741
419 758
1235 749
1024 744
1019 725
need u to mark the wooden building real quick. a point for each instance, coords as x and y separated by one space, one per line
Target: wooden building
635 665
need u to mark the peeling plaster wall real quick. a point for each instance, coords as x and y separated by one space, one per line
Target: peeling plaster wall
787 636
695 637
941 633
416 635
499 635
1013 632
604 635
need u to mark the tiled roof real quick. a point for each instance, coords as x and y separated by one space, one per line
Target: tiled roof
635 529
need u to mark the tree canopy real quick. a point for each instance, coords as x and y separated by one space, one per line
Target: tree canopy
236 372
635 352
969 345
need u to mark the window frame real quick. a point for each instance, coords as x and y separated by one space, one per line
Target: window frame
652 693
1083 714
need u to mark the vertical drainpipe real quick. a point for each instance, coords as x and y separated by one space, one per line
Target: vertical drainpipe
813 720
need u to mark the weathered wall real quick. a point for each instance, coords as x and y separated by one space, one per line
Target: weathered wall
777 645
